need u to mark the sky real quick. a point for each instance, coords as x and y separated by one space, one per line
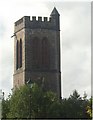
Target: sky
75 39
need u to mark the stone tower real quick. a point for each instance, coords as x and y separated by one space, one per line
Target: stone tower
37 51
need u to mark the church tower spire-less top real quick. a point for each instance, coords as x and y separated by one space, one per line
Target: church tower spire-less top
37 51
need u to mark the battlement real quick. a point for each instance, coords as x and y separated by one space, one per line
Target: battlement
40 19
33 23
39 22
33 19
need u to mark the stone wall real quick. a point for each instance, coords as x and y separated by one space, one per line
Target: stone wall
34 67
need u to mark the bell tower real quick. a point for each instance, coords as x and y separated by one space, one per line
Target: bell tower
37 51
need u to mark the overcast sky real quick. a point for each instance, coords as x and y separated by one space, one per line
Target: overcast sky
75 37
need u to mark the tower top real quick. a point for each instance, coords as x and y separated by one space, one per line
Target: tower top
51 24
54 12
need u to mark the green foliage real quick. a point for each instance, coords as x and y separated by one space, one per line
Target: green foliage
89 106
75 96
5 107
19 107
75 106
34 102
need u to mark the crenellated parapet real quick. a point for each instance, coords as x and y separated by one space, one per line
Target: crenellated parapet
51 23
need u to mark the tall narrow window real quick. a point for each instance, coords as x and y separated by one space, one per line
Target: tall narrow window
45 53
20 53
17 54
36 50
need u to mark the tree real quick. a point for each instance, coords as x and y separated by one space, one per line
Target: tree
27 102
89 107
75 96
5 106
19 103
74 107
33 102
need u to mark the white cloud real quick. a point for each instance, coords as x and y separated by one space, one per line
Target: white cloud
77 49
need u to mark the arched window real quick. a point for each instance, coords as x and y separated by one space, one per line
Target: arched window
40 51
45 53
17 54
20 52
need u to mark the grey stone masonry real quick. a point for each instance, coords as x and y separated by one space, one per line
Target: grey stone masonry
37 51
44 23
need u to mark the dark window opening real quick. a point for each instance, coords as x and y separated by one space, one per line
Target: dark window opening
19 54
16 54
